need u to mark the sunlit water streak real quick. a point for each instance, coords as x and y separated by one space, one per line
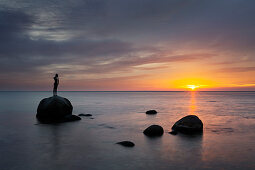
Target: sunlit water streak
227 141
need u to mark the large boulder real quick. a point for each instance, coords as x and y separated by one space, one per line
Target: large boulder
189 124
154 131
55 109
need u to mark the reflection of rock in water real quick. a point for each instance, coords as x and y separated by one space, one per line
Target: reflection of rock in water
51 140
55 139
106 126
55 109
184 150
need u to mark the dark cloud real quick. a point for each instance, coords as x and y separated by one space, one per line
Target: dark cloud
18 52
101 37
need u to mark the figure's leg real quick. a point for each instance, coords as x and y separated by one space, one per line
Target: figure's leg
54 91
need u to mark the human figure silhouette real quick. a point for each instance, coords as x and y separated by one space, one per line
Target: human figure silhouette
56 82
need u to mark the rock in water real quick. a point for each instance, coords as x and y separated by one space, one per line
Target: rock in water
173 132
87 115
151 112
126 143
189 124
55 109
154 131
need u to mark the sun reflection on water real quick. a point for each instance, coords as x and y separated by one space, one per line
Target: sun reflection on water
192 105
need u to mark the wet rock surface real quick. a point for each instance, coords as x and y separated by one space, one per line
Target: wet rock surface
189 124
151 112
55 109
154 131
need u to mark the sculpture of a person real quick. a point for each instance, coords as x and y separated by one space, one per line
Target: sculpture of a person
56 82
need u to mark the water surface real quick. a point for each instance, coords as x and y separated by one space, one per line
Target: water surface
227 141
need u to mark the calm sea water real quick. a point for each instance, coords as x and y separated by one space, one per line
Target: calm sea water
228 141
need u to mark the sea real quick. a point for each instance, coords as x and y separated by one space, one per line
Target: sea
227 142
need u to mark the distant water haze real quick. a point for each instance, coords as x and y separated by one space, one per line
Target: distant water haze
227 141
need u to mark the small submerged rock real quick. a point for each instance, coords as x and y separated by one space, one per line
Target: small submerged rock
87 115
151 112
189 124
126 143
173 132
154 131
222 130
72 118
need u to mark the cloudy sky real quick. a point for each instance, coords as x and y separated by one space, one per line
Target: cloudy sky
127 44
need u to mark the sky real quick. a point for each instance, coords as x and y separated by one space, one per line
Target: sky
127 44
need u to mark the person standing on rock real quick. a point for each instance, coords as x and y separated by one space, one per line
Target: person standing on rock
56 82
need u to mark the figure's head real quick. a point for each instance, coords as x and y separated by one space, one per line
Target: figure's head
56 75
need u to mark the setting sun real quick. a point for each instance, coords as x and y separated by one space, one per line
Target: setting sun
192 87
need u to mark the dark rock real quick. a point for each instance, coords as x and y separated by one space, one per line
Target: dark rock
154 131
126 143
110 127
55 109
173 132
87 115
151 112
189 124
72 118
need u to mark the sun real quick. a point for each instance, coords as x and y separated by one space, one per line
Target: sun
192 87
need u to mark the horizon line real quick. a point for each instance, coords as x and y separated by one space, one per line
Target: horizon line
126 91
